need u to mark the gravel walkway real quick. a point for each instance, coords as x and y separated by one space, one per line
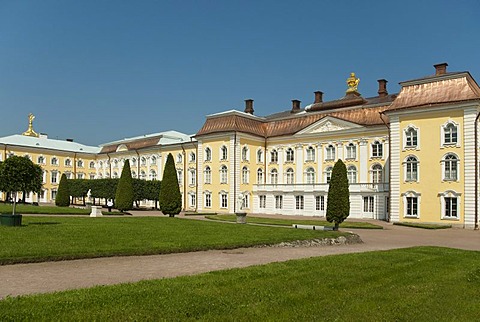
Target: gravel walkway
22 279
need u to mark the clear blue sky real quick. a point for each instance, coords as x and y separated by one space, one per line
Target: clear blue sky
99 71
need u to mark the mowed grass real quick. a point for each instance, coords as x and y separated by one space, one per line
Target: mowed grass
51 210
59 238
416 284
289 222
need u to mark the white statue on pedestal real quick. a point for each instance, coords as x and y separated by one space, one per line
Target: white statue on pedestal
240 202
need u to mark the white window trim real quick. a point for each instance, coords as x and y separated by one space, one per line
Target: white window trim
404 165
205 151
209 181
314 152
223 176
326 158
307 173
262 156
245 175
382 144
356 173
346 146
405 130
292 155
451 194
442 133
413 194
371 173
221 158
220 194
209 193
442 162
247 154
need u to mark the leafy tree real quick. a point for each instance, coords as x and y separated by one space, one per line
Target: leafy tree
338 203
124 194
63 194
170 198
20 174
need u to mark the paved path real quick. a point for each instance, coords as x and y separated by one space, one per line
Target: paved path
56 276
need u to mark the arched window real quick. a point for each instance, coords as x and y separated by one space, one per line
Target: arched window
115 174
179 158
134 174
330 152
245 175
310 176
328 174
223 153
41 160
143 175
80 163
193 177
450 167
274 176
208 175
377 171
450 133
411 137
54 161
115 163
290 176
351 151
208 154
92 165
68 162
153 160
260 156
143 161
377 149
245 154
101 164
180 176
290 155
192 156
310 154
352 174
259 176
411 169
153 175
274 156
134 162
223 174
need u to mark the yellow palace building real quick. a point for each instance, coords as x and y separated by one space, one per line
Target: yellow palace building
410 157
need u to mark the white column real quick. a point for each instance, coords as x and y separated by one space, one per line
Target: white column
299 163
395 169
340 151
469 165
319 176
363 154
281 159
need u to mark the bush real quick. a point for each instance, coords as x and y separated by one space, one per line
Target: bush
338 200
170 197
124 194
63 194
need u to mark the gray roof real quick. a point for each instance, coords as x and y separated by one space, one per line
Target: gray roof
46 143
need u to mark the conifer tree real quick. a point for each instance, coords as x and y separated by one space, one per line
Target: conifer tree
63 194
124 194
170 197
338 200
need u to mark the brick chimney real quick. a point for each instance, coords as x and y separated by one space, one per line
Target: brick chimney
295 106
440 69
382 87
249 106
318 97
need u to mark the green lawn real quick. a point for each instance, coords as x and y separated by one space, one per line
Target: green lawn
57 238
416 284
289 222
51 210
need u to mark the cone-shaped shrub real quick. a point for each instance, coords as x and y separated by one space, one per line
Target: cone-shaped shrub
63 194
170 198
124 194
338 200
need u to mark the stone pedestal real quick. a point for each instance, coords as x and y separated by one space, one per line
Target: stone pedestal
88 205
241 217
96 211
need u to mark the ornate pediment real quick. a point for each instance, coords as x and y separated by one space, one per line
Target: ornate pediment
328 124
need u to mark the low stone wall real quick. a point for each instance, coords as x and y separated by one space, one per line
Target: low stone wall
341 240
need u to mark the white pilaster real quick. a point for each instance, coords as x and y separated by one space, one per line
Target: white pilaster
363 155
395 169
469 165
299 163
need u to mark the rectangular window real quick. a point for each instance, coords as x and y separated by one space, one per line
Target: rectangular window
351 151
412 206
54 177
278 202
54 194
92 176
208 200
368 204
245 201
224 200
263 201
317 202
193 200
299 202
451 204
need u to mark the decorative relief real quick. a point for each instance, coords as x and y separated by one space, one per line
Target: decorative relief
328 127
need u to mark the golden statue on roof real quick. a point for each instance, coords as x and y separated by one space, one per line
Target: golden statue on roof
352 83
30 131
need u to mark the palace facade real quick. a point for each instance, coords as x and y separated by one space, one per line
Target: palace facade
410 156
